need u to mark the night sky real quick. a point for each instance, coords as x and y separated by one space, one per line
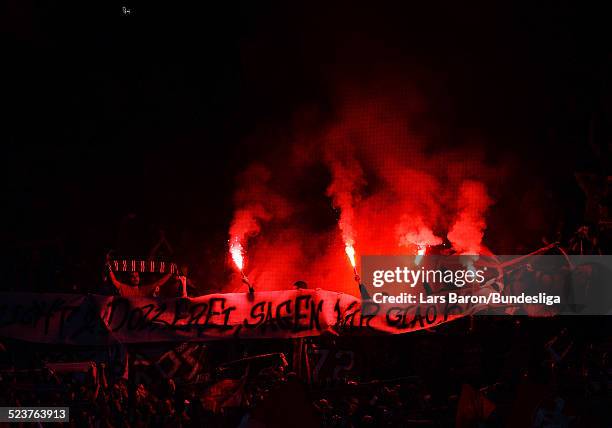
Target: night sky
154 113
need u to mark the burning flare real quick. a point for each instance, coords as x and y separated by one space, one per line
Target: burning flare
237 253
350 252
421 251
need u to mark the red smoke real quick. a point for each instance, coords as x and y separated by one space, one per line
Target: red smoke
255 204
413 232
468 230
394 192
347 181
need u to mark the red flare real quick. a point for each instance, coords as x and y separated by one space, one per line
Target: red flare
237 253
350 252
421 251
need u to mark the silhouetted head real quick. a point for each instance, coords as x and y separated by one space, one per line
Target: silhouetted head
300 285
134 278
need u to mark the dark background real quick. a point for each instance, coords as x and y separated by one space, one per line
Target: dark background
150 113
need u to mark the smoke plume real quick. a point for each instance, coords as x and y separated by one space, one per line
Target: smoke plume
389 190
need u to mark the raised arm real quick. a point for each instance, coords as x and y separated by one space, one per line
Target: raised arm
118 284
162 280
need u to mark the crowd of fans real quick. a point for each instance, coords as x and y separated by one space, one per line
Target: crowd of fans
548 374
